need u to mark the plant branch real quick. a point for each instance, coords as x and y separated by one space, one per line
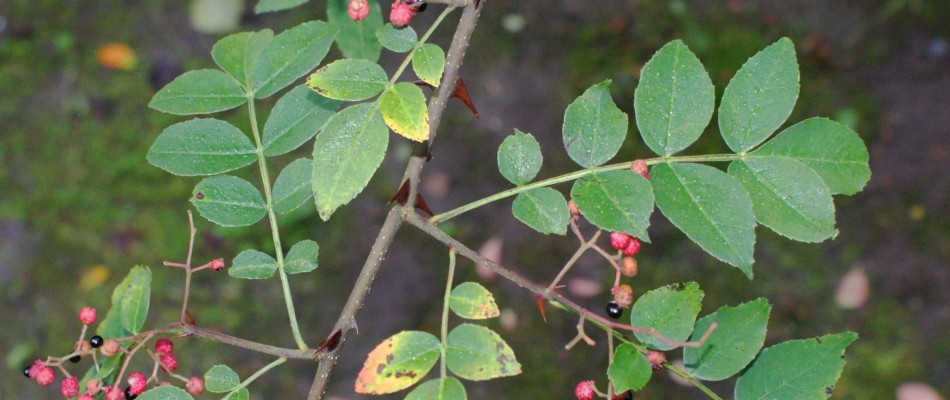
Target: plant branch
445 311
257 374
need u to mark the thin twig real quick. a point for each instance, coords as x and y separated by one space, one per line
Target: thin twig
577 255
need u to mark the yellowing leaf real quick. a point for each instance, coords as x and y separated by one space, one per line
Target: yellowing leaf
398 362
404 110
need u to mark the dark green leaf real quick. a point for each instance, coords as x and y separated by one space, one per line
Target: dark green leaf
203 91
674 101
619 201
543 209
399 40
237 54
302 257
111 326
356 39
136 299
439 389
710 207
228 201
630 370
670 310
349 79
787 197
519 158
760 97
429 63
796 369
594 128
833 150
221 378
405 111
292 54
732 345
165 393
252 264
345 155
398 362
292 187
201 147
476 353
295 119
472 301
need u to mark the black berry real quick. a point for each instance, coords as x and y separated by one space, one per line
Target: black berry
614 310
26 372
96 341
128 394
75 359
422 7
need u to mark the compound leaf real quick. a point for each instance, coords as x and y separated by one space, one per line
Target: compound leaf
349 79
252 264
296 118
594 128
302 257
543 209
292 187
237 54
228 201
291 55
204 91
670 310
732 345
619 201
201 147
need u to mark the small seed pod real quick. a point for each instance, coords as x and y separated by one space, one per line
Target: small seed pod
619 240
632 248
217 264
69 387
87 316
656 359
45 376
110 348
195 385
640 167
164 346
584 390
572 207
93 387
628 267
623 296
169 362
358 10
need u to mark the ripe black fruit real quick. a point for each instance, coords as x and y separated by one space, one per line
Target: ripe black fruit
614 310
26 372
96 341
75 359
128 394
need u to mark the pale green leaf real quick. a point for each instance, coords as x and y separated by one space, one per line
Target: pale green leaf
237 54
204 91
302 257
291 54
674 100
201 147
165 393
833 150
543 209
760 97
732 345
356 39
404 109
618 201
796 369
292 187
399 40
429 63
398 362
472 301
594 128
228 201
242 394
295 119
136 299
439 389
670 310
630 369
710 207
252 264
346 153
349 79
221 378
519 158
788 197
477 353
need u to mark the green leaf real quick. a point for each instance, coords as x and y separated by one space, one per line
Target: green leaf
619 201
404 109
732 345
109 367
221 378
264 6
356 39
439 389
237 54
833 150
760 97
292 187
349 79
136 299
242 394
429 63
476 353
111 326
399 40
302 257
519 158
204 91
201 147
594 128
228 201
345 156
165 393
674 100
543 209
292 54
630 370
787 197
472 301
295 119
398 362
670 310
796 369
252 264
710 207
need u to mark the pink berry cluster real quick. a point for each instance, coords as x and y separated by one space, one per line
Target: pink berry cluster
358 10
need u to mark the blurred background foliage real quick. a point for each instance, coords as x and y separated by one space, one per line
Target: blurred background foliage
79 205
